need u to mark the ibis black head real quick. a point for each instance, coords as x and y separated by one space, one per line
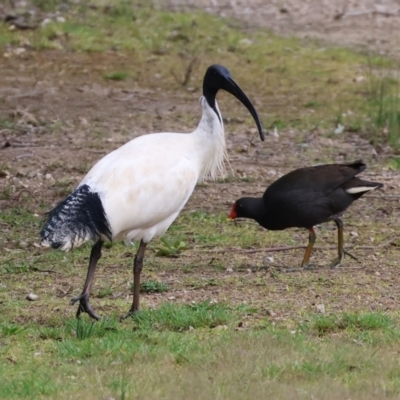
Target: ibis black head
218 77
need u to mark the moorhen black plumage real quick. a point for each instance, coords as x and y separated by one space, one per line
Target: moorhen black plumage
307 197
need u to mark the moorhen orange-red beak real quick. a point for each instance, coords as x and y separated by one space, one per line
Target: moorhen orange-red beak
233 213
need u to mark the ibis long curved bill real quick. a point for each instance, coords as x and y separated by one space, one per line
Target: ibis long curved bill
218 77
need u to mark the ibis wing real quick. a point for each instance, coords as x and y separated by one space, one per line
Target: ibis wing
145 182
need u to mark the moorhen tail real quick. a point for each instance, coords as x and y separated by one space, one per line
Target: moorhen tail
307 197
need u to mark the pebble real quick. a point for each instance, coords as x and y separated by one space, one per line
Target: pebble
32 297
320 308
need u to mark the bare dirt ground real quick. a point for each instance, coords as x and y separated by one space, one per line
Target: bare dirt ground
65 93
362 24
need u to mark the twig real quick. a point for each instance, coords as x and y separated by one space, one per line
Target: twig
35 93
189 71
42 270
360 13
388 196
16 198
287 248
380 245
127 98
270 249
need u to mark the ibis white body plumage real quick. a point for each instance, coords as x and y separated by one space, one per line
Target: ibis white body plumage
144 184
135 192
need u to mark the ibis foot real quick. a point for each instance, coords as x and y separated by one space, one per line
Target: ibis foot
84 306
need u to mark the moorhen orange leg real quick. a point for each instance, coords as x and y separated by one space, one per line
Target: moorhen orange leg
83 298
311 240
137 269
337 262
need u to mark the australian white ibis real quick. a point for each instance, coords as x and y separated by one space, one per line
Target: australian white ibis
135 192
306 197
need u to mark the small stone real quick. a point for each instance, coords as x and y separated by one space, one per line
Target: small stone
245 42
221 328
49 176
45 22
320 308
339 129
275 133
32 297
171 298
377 273
19 50
229 270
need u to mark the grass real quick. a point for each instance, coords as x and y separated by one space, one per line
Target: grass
217 319
116 76
300 86
153 287
101 359
200 345
385 103
184 317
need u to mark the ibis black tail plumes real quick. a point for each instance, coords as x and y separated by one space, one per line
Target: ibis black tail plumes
78 218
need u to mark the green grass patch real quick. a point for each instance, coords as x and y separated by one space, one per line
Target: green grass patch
153 287
184 317
385 104
107 358
170 248
352 322
116 76
158 49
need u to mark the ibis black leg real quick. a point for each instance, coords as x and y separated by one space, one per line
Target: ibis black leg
83 298
137 269
311 240
341 251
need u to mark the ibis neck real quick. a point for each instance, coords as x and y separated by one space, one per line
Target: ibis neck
210 141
